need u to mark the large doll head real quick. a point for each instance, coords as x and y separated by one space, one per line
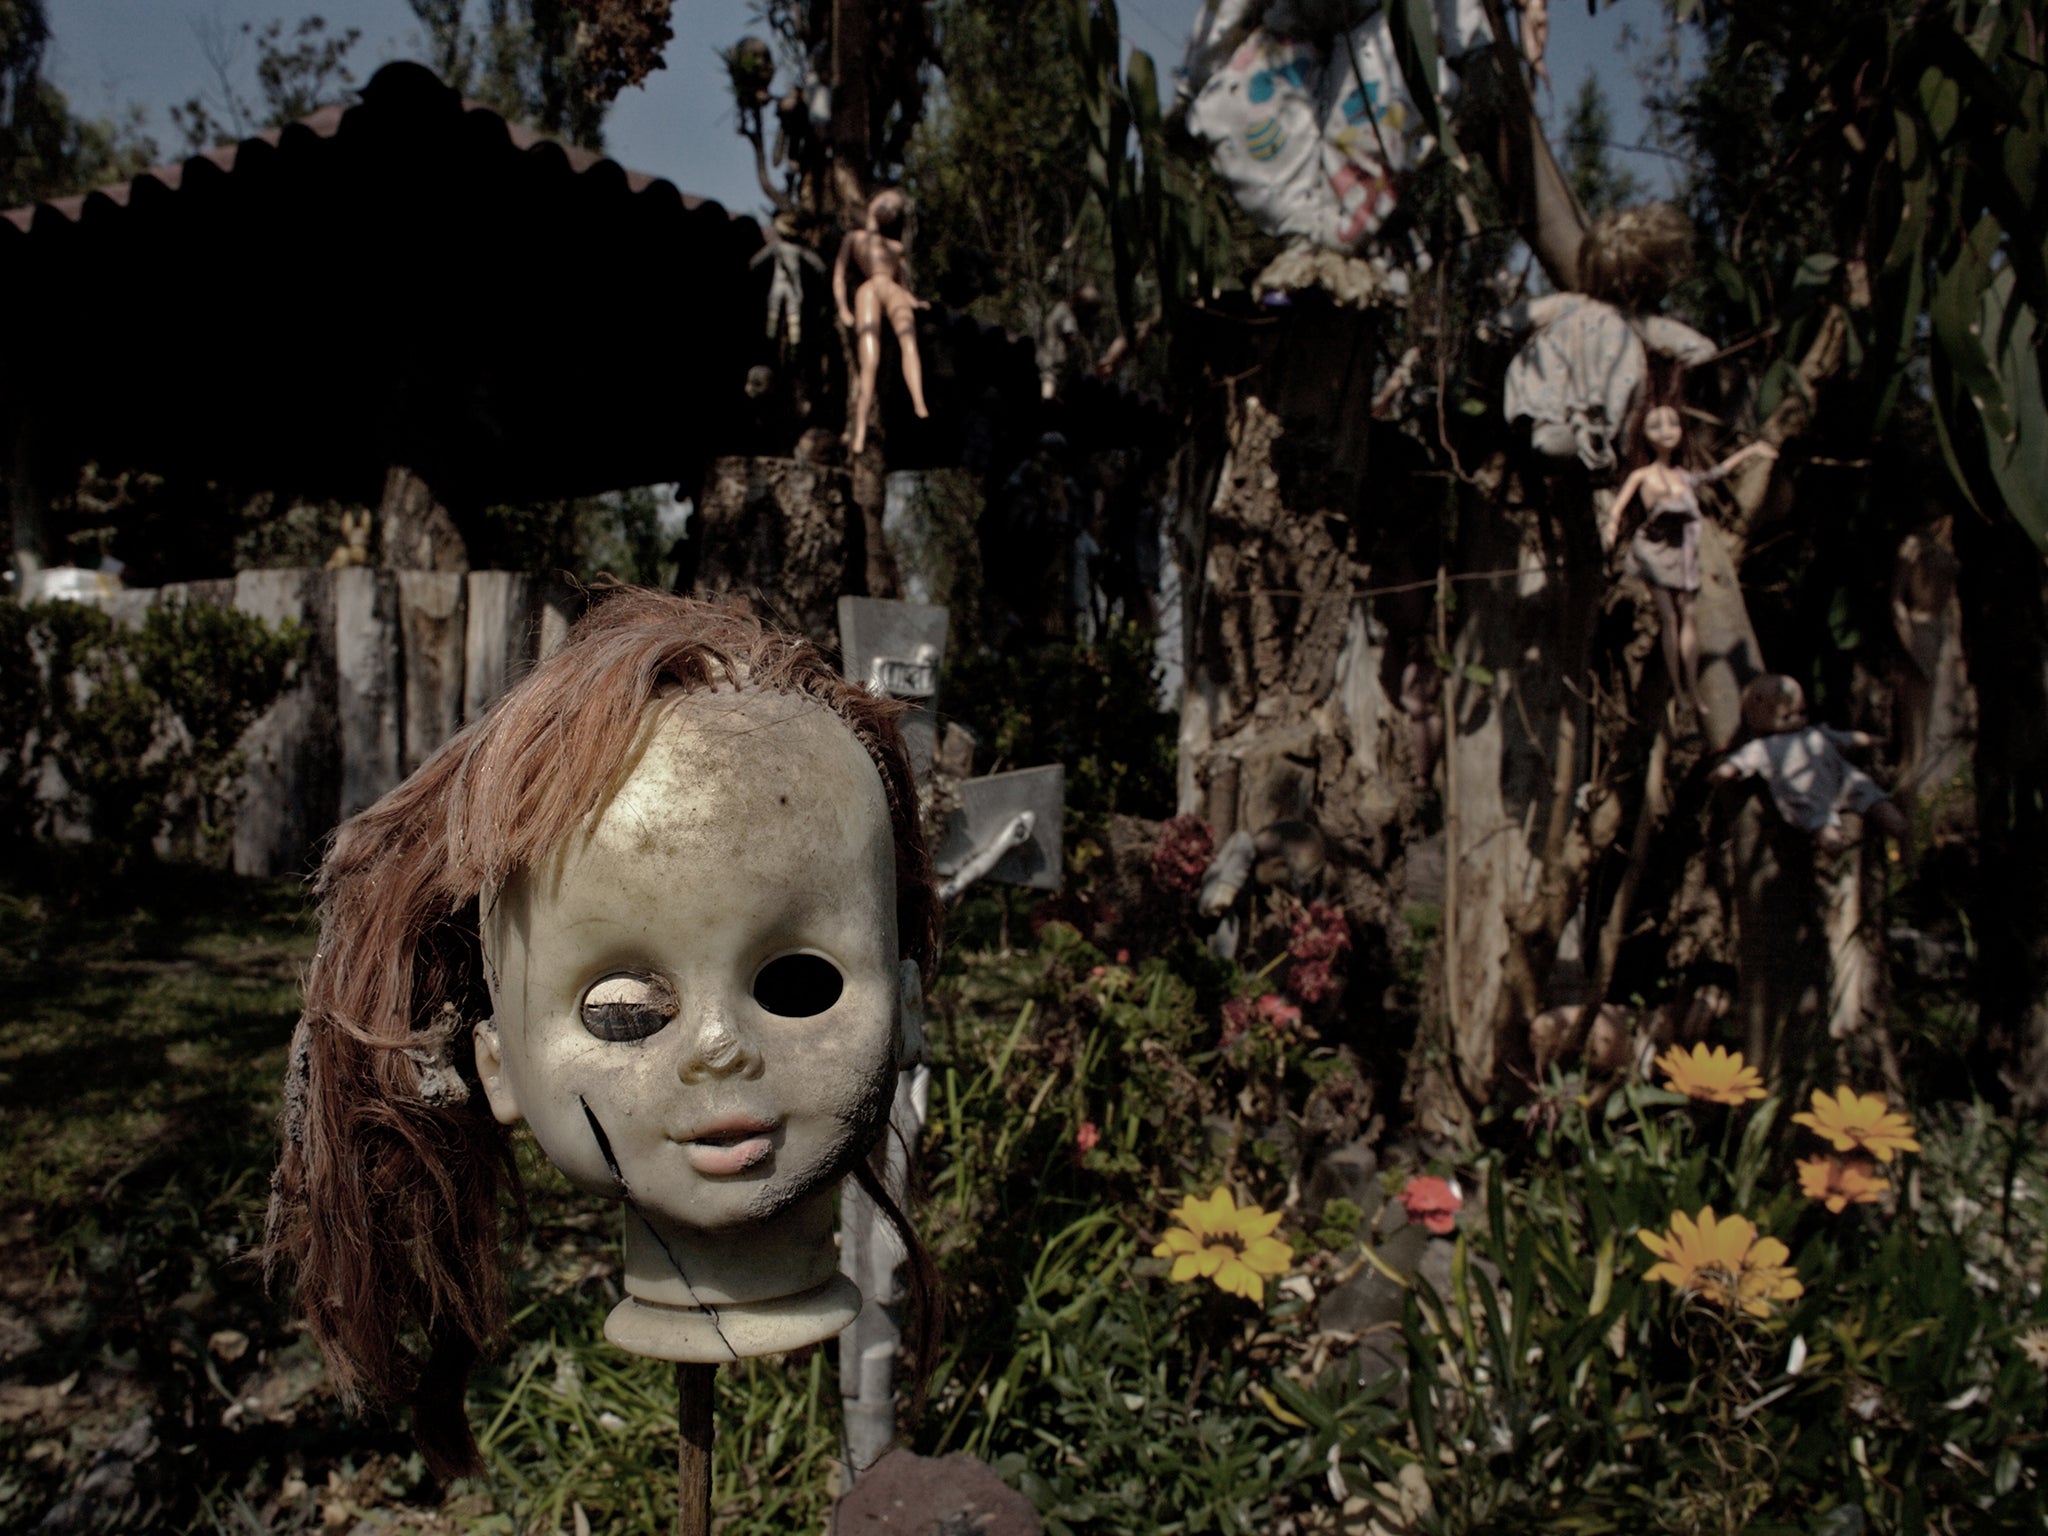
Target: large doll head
668 904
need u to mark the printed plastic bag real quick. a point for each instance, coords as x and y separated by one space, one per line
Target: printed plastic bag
1305 112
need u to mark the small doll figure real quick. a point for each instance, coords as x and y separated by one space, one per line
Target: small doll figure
668 904
1576 379
786 280
1811 783
1666 547
877 250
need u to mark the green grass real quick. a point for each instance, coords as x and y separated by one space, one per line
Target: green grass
142 1046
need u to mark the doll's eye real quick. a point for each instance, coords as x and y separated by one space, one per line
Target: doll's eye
798 986
628 1007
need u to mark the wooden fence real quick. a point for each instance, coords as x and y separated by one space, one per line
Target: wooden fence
399 661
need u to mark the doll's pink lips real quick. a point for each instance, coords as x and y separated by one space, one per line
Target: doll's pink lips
730 1146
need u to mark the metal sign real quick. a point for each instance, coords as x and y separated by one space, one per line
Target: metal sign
989 809
897 649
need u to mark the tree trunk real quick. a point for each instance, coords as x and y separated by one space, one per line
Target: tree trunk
419 534
2005 634
786 535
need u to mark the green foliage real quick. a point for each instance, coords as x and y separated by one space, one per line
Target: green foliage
1165 218
1887 160
138 728
1573 1388
45 152
1093 706
617 534
997 167
297 73
527 61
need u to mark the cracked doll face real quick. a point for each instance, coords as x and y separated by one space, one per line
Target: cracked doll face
698 1000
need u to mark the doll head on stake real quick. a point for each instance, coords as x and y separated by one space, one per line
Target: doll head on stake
674 890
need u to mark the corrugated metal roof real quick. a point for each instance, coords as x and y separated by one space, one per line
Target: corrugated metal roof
323 124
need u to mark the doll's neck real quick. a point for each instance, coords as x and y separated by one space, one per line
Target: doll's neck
706 1296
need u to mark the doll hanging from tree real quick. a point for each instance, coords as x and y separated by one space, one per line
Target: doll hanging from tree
877 249
1666 545
1810 781
1576 379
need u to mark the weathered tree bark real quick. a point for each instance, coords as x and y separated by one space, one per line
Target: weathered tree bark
419 534
432 626
1283 713
784 534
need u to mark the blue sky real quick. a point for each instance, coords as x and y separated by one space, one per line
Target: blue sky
107 54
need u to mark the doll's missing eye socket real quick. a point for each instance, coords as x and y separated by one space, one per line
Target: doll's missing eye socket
675 886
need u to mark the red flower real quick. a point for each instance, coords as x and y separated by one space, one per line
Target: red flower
1432 1202
1185 848
1320 932
1087 1136
1279 1014
1318 942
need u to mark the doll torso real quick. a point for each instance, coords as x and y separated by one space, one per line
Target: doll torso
877 255
1810 781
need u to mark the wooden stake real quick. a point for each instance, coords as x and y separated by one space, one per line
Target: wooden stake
694 1388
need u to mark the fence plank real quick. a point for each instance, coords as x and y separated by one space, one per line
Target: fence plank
290 787
368 689
432 626
500 642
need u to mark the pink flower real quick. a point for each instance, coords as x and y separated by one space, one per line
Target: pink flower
1185 848
1318 942
1123 957
1087 1136
1432 1202
1278 1013
1237 1021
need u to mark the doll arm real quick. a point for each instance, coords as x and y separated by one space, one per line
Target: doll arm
1757 449
839 282
1675 339
1532 314
1850 741
1739 764
1610 524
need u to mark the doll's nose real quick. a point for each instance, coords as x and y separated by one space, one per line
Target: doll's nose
719 1050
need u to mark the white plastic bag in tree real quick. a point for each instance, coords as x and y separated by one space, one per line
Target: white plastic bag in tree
1305 112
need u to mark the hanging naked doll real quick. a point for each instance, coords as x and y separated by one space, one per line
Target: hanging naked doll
877 250
1666 546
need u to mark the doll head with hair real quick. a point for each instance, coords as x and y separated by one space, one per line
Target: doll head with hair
1632 257
669 905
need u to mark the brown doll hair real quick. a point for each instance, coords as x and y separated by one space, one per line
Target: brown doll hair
386 1199
1761 697
1632 257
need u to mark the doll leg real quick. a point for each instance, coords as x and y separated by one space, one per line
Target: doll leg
1667 633
867 330
903 319
1688 648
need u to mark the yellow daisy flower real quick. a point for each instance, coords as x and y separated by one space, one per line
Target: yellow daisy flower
1230 1244
1854 1122
1719 1077
2034 1345
1839 1183
1723 1260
